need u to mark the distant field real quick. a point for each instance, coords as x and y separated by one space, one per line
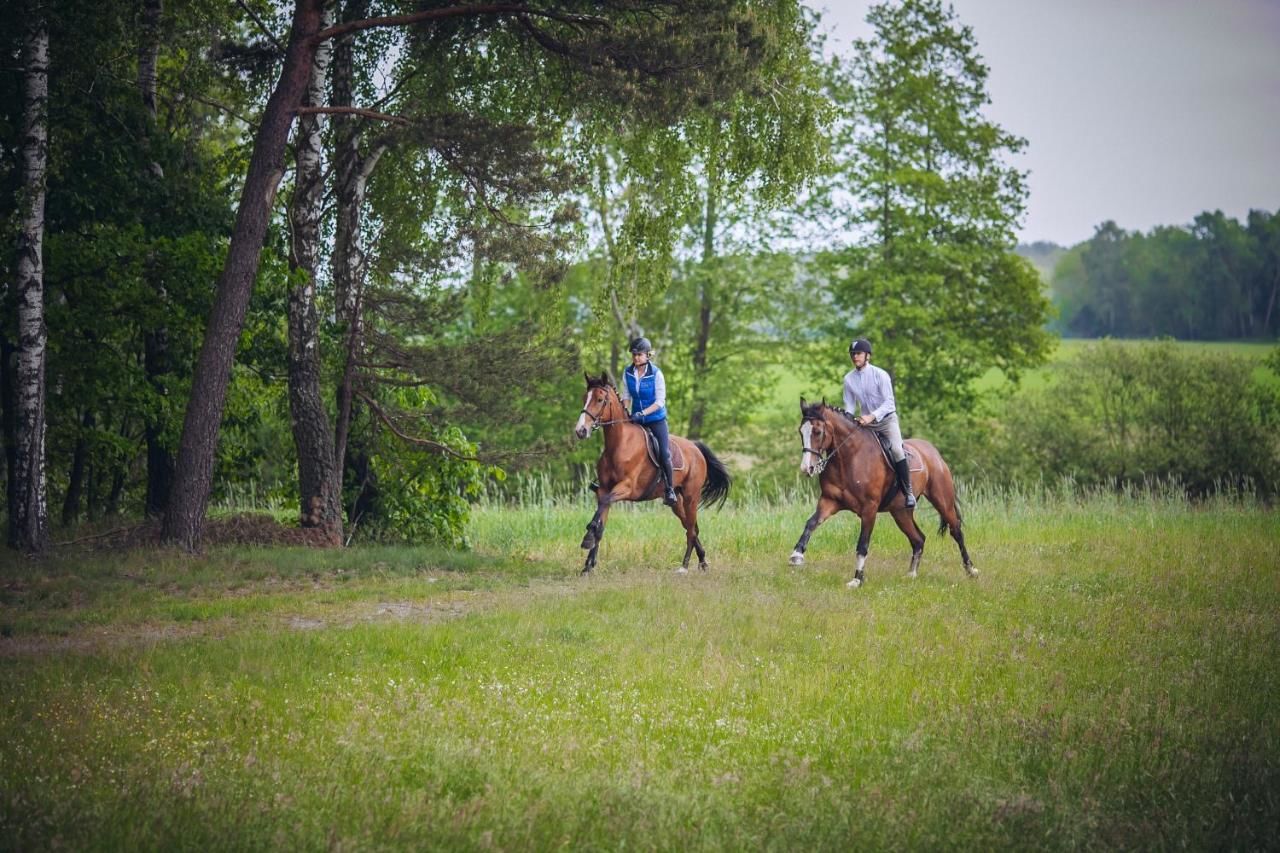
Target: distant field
790 387
1108 682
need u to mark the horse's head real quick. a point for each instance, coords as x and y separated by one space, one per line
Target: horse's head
600 406
816 439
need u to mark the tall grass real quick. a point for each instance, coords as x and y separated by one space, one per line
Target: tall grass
1108 682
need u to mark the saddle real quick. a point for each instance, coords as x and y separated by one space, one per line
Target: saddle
651 447
913 459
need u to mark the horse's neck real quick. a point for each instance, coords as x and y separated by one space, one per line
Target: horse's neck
846 433
615 417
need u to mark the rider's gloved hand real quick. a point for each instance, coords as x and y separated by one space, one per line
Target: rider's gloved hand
636 417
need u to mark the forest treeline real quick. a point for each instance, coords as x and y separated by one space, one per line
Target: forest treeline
353 257
1216 279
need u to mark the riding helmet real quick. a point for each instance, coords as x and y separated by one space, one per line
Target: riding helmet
641 345
860 345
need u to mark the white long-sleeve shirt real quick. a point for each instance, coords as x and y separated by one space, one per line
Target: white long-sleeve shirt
871 389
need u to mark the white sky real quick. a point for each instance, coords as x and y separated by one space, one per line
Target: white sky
1142 111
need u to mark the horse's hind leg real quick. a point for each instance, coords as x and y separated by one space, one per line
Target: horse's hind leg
950 516
907 523
868 517
686 509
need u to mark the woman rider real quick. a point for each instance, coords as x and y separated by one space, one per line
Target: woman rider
644 393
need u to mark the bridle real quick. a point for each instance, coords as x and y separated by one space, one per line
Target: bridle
596 423
824 456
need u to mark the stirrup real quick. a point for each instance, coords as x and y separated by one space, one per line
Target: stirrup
670 497
909 497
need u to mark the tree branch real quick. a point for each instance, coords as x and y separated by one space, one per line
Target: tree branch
420 442
454 12
358 111
266 32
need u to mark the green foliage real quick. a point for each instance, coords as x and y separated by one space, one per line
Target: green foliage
422 495
934 282
1122 413
1213 280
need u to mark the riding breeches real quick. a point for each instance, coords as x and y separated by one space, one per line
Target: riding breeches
660 432
888 429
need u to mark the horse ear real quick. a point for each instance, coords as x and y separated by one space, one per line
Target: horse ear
586 376
802 402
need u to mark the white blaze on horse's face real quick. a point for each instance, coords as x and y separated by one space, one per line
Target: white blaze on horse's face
582 428
808 460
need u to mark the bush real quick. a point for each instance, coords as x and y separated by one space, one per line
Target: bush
1131 412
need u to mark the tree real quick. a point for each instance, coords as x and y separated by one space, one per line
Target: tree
30 504
932 278
655 57
319 483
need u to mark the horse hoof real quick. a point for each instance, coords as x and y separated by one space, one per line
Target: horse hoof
797 558
973 573
855 583
912 575
702 567
588 542
681 570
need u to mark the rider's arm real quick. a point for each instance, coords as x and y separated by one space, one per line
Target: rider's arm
659 390
887 406
850 399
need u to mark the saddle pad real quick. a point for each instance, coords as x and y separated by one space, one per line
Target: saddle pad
914 462
651 445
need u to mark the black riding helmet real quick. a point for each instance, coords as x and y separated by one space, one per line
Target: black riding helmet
860 345
641 345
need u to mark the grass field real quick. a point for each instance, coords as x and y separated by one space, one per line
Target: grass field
1109 681
789 387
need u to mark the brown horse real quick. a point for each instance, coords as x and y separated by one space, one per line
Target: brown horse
854 474
626 473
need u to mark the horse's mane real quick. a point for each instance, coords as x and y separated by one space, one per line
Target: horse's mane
815 410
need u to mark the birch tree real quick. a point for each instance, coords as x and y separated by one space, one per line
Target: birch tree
30 505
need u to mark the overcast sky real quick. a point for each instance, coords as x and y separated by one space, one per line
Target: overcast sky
1142 111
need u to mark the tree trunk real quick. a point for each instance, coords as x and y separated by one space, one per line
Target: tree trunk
348 259
9 424
706 301
75 478
194 473
31 522
155 358
319 481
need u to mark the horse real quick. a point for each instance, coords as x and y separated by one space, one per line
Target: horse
854 474
625 471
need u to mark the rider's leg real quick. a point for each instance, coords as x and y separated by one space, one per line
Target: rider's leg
894 435
660 432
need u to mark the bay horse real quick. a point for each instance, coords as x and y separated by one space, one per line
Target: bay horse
854 474
625 471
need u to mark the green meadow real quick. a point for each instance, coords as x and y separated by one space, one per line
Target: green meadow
1108 682
791 386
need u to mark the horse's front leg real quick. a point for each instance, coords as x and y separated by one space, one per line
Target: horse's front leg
826 509
868 517
595 531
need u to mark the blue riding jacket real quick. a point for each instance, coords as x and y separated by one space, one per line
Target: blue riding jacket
643 391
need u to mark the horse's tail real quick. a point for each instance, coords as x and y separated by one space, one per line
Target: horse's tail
716 488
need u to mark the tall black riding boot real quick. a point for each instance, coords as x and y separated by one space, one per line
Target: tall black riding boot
904 480
668 477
